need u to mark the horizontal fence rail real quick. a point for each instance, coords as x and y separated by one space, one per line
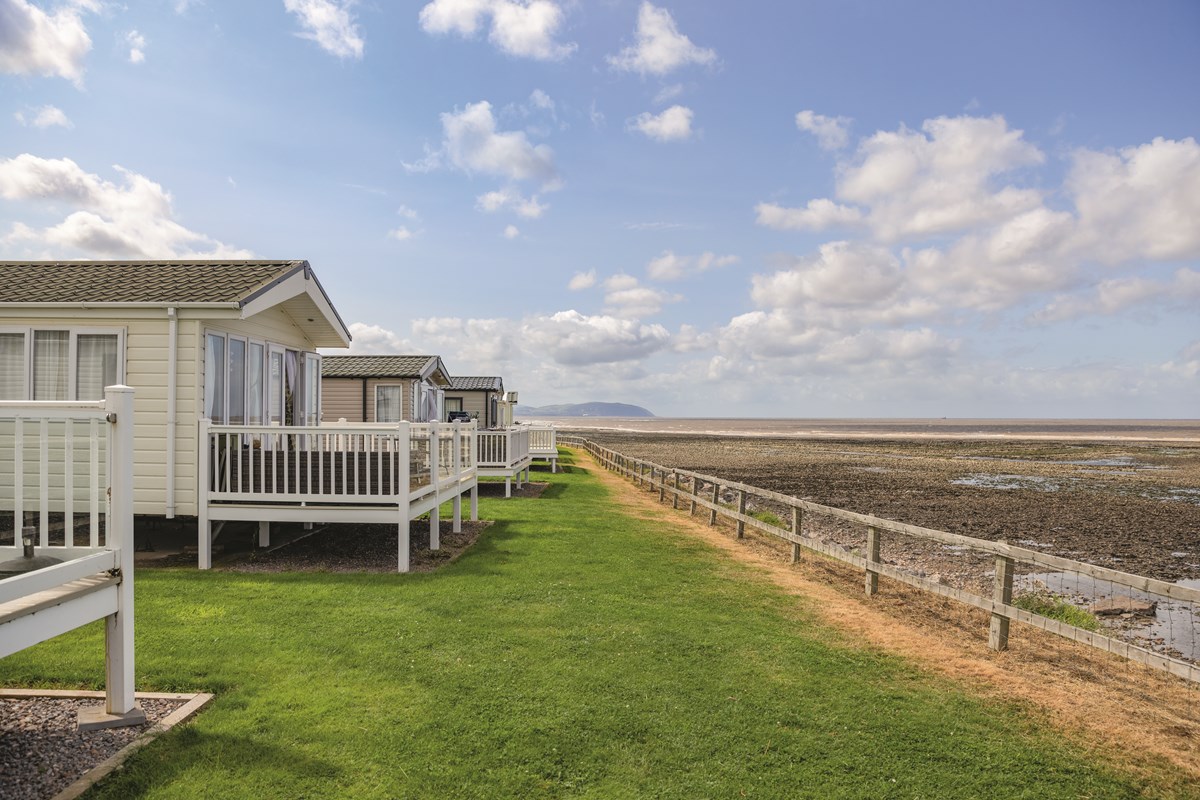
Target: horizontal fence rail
728 500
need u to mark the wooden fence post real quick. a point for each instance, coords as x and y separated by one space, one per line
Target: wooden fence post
741 507
872 584
662 485
797 521
712 515
675 493
1002 593
695 491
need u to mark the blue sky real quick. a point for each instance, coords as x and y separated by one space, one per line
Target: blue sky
709 209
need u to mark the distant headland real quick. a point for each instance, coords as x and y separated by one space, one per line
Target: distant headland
583 410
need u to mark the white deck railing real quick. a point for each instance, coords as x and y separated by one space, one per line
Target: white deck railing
505 454
543 444
341 472
67 465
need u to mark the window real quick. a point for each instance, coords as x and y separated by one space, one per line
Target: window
389 403
254 383
59 364
237 381
12 366
248 382
454 404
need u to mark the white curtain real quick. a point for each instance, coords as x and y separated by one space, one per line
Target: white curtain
51 350
96 365
214 378
254 378
388 401
12 366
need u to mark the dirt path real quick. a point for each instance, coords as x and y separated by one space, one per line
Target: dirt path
1125 714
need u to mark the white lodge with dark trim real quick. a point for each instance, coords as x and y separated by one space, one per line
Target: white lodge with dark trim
232 341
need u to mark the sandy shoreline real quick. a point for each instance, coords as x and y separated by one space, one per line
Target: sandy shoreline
1129 505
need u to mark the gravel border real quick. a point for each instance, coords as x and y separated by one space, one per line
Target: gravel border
44 755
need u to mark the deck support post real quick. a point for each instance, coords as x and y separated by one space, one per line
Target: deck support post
457 528
118 627
264 533
741 507
872 578
203 481
1002 593
507 486
475 502
404 498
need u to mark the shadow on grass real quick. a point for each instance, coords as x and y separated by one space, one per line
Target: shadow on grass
186 748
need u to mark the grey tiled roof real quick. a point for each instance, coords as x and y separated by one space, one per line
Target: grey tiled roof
138 281
468 383
374 366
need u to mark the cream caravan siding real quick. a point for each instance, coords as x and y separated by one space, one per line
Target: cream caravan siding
341 398
146 359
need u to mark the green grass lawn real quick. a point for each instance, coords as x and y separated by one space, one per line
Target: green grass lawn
573 652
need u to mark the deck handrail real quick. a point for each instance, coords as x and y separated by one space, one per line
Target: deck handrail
505 449
44 603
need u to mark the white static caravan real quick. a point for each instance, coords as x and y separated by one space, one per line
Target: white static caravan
477 395
231 341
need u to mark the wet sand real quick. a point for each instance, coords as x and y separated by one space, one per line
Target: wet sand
1116 493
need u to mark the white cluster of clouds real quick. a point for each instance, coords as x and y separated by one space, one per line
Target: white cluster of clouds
35 42
130 219
511 199
659 48
330 24
523 28
671 125
831 132
137 47
672 267
44 117
471 143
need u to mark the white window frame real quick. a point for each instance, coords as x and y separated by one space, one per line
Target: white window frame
72 352
379 386
269 349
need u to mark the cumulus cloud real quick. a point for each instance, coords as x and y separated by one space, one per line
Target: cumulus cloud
471 143
137 47
511 200
582 280
831 132
818 215
330 24
376 340
132 219
1119 295
672 125
671 267
511 232
625 297
571 338
659 47
401 234
840 274
33 42
44 117
1139 202
523 28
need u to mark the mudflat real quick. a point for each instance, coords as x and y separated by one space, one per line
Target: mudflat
1123 495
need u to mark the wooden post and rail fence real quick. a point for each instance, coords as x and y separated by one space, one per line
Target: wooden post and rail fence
667 481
